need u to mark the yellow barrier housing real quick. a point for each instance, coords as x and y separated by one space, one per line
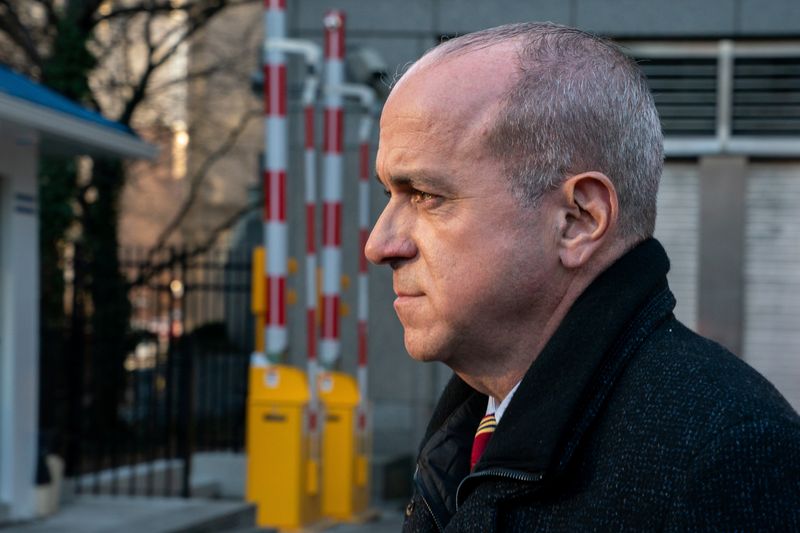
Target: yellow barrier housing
258 295
345 487
278 467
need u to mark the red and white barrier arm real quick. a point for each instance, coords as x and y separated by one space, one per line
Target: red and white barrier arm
276 149
312 55
332 189
363 284
366 97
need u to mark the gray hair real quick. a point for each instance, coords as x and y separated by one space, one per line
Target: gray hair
580 104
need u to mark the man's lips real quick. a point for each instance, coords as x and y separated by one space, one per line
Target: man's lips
407 294
405 298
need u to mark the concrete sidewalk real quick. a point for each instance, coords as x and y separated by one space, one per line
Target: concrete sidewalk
107 514
390 521
121 514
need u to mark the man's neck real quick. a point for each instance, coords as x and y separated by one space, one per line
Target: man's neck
496 373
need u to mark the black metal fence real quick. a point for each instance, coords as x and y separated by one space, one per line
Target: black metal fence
182 381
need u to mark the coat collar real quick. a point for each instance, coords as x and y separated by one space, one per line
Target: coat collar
587 351
564 387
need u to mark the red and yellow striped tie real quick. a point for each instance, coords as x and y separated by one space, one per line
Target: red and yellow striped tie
482 436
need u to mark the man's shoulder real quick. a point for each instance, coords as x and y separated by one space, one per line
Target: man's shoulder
682 377
690 432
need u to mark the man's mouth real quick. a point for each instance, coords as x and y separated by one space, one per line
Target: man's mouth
405 298
407 294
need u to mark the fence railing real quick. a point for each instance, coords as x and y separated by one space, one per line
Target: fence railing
184 375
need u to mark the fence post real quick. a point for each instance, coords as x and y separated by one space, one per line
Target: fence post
169 408
186 391
76 374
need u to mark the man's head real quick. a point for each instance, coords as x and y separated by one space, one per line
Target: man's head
578 104
508 170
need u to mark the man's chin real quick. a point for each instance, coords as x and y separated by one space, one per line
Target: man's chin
425 357
423 352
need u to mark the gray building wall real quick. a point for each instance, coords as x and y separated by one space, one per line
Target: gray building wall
387 21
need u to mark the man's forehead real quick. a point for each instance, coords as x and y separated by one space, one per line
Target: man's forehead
442 106
468 77
495 58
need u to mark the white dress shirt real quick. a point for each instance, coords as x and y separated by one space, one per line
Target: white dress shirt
498 410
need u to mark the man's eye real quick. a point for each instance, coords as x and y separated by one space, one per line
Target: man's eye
387 193
421 196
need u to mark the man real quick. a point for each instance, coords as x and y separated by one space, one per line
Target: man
522 165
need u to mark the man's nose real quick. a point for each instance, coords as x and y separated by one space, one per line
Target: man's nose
390 241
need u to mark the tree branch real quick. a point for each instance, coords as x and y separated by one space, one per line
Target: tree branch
161 7
152 269
197 20
151 7
198 178
200 73
84 15
140 87
225 225
12 26
50 12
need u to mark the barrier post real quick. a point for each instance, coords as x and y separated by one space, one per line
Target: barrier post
345 456
276 140
282 437
332 189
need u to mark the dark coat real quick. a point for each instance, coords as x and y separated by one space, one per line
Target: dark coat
627 420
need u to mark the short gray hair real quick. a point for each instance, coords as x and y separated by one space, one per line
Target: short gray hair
580 104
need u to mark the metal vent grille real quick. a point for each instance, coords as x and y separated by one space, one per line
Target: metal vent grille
685 91
766 96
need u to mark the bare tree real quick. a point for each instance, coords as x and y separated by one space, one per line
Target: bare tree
127 59
133 46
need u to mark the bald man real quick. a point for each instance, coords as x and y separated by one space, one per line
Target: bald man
521 165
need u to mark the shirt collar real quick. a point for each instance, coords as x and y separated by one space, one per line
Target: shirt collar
498 410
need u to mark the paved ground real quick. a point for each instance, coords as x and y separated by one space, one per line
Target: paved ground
390 521
107 514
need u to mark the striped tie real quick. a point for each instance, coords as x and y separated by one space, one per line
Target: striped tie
482 436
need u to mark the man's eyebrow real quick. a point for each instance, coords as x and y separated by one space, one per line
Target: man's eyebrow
415 182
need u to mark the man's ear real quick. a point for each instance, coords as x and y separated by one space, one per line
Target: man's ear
589 216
